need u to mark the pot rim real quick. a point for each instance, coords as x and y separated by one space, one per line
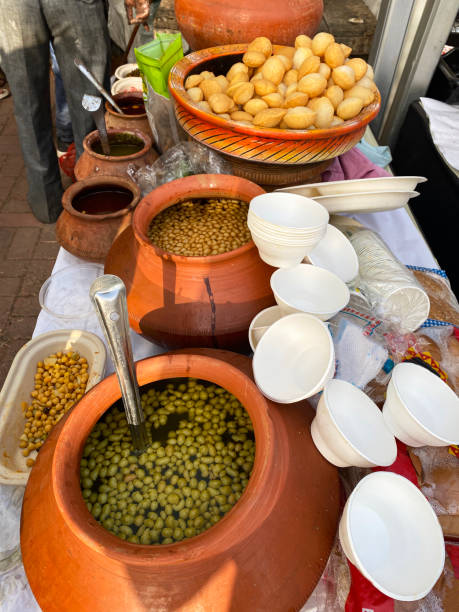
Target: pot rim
218 184
90 138
120 96
75 188
251 508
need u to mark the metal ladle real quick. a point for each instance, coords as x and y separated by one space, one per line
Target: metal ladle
93 104
108 294
89 75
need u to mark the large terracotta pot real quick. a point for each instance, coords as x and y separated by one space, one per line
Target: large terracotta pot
267 553
91 163
207 23
90 236
115 120
191 301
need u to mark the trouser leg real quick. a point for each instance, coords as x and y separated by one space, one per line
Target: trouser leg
63 122
79 29
24 56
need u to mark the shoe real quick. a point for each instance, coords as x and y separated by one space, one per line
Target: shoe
62 148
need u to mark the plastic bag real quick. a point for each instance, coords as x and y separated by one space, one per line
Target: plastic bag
182 160
155 60
161 117
391 290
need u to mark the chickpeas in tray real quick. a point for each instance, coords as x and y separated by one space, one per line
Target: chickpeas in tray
60 381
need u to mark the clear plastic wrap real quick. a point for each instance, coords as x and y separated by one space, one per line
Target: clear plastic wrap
161 117
391 289
181 160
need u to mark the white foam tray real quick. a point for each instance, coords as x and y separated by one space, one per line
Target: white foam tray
353 186
20 382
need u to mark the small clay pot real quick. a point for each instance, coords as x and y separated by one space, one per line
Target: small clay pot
90 234
266 554
181 301
92 163
115 120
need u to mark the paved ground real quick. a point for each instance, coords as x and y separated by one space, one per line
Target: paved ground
28 248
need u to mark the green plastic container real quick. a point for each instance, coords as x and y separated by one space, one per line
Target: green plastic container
155 60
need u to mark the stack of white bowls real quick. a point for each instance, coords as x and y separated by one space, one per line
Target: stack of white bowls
286 227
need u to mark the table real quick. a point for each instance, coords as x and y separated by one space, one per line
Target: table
398 230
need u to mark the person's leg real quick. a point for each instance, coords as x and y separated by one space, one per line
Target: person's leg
79 29
24 56
64 131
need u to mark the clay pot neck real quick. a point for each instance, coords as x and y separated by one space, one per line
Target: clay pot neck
118 137
123 98
100 198
172 193
246 516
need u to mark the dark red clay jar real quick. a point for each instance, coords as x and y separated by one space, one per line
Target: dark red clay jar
183 301
91 163
267 553
90 236
209 23
115 120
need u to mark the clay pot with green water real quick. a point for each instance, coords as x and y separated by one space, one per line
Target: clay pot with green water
96 211
126 147
134 117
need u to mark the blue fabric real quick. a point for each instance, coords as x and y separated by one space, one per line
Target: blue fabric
64 130
381 156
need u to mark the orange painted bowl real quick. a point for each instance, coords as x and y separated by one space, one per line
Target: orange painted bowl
267 145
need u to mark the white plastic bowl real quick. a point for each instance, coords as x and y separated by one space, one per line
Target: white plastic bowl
65 294
305 288
349 429
261 323
420 409
294 358
336 253
123 71
127 84
289 210
287 237
20 382
389 531
279 256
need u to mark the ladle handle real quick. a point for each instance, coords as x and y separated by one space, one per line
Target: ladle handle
99 120
108 295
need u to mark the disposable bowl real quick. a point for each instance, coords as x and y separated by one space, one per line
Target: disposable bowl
294 358
336 254
123 71
420 409
126 84
349 429
65 294
306 288
279 256
288 210
261 323
389 531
